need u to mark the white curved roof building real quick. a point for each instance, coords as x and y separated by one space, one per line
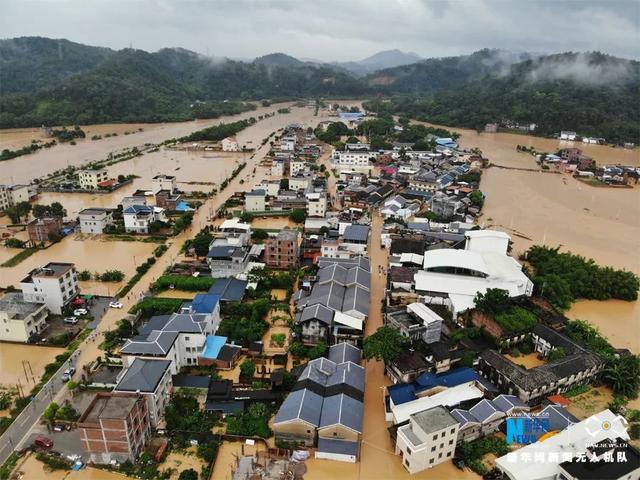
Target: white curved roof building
454 277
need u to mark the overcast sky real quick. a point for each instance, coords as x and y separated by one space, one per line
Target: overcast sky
333 29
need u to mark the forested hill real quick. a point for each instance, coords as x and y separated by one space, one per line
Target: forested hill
592 94
56 82
32 63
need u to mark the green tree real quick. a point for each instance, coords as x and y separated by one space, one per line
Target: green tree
51 412
284 184
246 217
387 343
477 198
84 276
493 301
298 215
317 351
556 354
624 375
247 368
201 243
189 474
259 235
555 289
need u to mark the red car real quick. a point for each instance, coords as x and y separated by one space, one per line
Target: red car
42 441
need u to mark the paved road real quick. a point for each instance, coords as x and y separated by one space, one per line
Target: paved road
18 430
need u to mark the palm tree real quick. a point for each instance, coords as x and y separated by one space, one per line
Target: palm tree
624 375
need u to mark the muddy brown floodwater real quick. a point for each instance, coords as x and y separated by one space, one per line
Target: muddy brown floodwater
90 254
617 320
24 364
32 469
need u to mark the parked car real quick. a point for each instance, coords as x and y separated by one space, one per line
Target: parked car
115 305
78 312
68 373
43 442
71 320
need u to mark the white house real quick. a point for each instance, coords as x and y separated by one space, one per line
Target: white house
316 204
255 201
20 320
55 285
230 144
288 143
277 168
11 195
164 182
138 218
95 220
353 159
89 179
453 277
296 167
300 182
427 440
399 208
568 135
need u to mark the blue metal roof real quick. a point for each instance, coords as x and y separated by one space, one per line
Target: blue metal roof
213 346
204 303
406 392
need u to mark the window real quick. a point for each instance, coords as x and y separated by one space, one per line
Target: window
406 462
443 434
453 431
450 442
448 454
435 437
433 449
441 445
440 455
430 461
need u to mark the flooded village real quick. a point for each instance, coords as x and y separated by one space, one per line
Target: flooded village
289 302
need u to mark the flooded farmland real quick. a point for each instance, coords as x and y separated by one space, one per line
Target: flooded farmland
90 254
25 168
194 171
13 358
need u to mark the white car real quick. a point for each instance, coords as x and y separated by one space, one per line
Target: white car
68 373
78 312
115 305
70 320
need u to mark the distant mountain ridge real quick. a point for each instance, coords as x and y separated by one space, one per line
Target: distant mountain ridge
61 82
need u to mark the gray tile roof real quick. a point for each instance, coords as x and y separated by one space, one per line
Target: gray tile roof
356 233
301 404
186 323
335 445
332 273
342 410
484 409
330 295
558 418
156 343
463 417
318 370
356 298
359 261
508 402
349 374
358 276
229 289
318 312
143 375
345 352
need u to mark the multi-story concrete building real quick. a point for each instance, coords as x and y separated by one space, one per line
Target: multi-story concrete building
297 166
95 220
40 229
20 320
353 160
167 199
152 380
427 440
138 218
55 285
255 201
89 179
164 182
230 144
11 195
115 427
283 251
277 168
316 204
